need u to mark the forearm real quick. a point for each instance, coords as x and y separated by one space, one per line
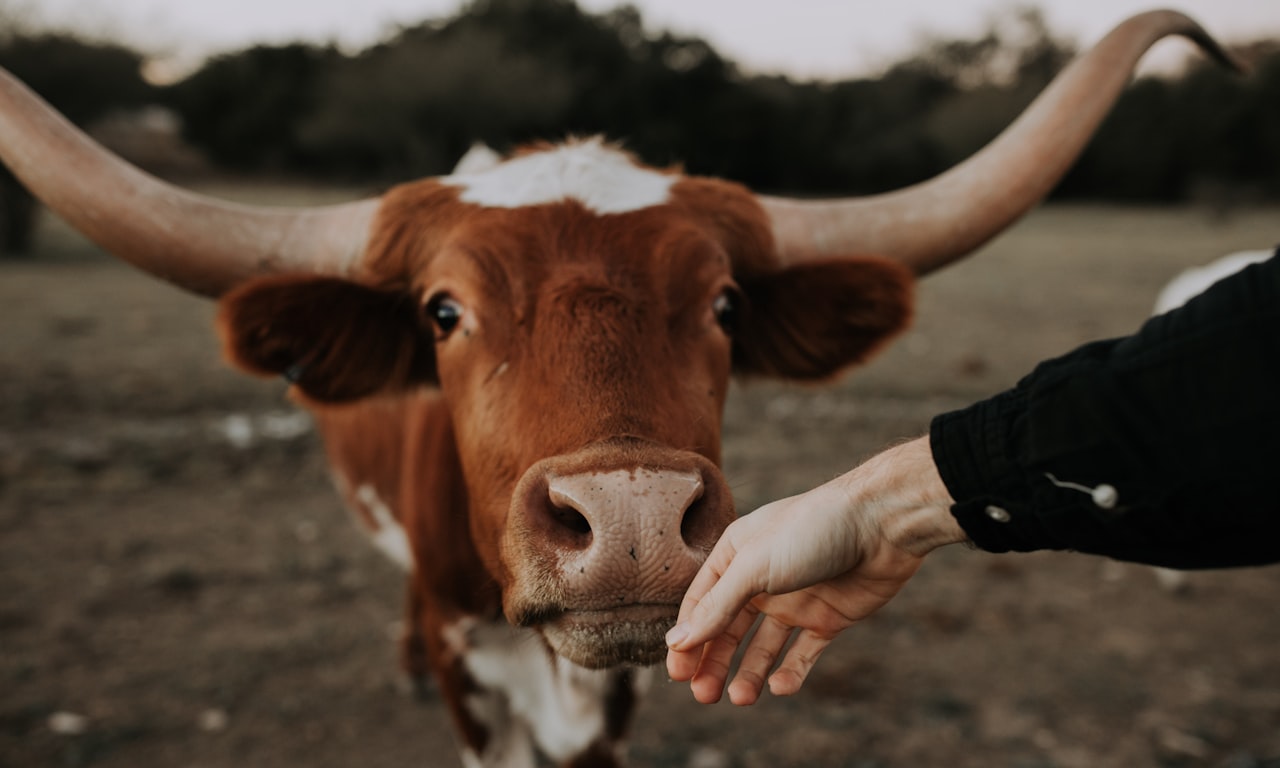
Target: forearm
1157 448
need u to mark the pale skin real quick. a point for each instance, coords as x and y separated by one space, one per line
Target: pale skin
808 566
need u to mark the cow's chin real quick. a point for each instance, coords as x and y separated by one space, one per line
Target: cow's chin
632 635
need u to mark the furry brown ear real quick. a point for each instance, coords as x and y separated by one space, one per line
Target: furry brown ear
811 320
336 340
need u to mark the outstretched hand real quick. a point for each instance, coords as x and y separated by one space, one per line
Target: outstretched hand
808 567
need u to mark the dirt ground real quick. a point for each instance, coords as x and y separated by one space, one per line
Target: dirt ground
180 587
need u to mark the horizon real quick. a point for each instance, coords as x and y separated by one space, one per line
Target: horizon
808 40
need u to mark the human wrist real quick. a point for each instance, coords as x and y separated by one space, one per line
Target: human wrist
904 496
920 530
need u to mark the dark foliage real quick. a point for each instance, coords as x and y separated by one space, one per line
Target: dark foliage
247 109
84 80
509 72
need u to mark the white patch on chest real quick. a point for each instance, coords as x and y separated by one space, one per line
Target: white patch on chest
602 178
561 703
386 533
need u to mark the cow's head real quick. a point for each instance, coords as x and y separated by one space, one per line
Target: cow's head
581 315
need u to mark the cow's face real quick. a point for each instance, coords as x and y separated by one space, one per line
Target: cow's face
582 317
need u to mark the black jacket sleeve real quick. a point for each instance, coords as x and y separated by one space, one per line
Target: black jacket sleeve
1162 447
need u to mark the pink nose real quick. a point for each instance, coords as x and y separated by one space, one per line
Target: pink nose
629 536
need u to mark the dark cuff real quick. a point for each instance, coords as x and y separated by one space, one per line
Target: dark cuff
973 451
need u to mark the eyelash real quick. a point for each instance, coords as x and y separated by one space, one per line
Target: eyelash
444 312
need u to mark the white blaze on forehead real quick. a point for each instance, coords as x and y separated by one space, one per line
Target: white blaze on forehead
385 531
602 178
478 159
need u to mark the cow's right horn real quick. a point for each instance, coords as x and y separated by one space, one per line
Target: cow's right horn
199 243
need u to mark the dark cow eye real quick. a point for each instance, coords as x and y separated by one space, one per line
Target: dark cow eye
725 309
444 312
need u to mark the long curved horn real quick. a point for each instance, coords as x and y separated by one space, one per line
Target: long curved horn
931 224
199 243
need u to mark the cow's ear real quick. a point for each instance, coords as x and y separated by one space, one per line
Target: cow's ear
809 321
336 340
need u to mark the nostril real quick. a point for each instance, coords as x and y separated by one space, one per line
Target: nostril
631 513
698 528
569 518
564 521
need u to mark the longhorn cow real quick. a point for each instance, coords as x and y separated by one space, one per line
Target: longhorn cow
519 369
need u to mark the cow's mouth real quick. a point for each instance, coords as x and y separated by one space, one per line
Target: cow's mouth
629 635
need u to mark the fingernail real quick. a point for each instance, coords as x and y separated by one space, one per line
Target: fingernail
677 634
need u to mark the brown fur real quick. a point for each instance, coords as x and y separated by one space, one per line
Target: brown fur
865 303
337 341
583 336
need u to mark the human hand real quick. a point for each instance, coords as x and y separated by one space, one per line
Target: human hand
811 566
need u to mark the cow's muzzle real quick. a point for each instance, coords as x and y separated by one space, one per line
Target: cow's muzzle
601 545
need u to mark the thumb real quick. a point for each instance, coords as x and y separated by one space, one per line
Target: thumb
719 592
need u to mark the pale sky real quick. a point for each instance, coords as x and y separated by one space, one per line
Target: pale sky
801 38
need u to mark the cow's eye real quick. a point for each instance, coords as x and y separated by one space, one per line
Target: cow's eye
725 309
444 312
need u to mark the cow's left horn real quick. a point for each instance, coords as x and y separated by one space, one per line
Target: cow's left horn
199 243
931 224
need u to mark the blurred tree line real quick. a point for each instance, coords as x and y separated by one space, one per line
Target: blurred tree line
506 72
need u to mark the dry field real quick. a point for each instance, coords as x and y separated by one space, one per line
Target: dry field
180 587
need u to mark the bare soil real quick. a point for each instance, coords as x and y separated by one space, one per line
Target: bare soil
180 587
